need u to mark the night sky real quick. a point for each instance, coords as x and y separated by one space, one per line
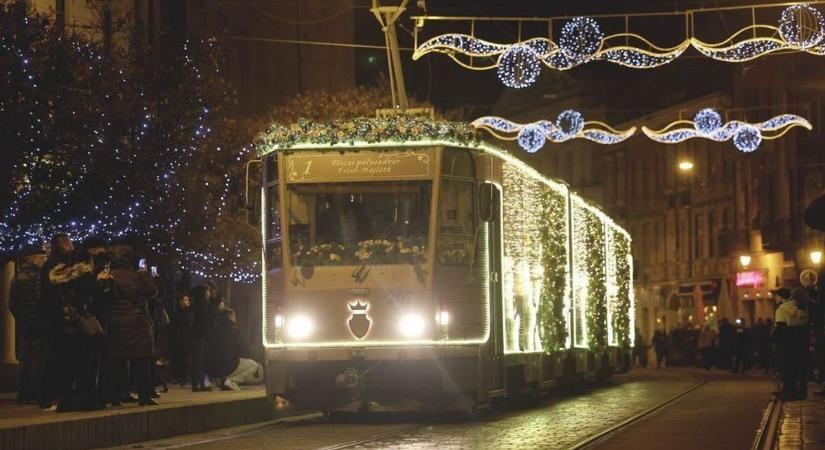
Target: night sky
624 93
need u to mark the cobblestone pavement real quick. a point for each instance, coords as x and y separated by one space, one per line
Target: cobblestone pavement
557 423
724 414
802 424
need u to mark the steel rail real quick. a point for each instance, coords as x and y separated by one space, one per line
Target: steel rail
612 429
767 433
375 438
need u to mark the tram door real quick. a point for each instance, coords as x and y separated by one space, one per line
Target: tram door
490 212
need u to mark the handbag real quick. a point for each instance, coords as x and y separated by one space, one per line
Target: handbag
89 325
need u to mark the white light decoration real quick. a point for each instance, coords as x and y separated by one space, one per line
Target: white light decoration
581 38
626 49
569 124
801 25
532 138
747 138
523 215
518 66
708 124
800 28
707 121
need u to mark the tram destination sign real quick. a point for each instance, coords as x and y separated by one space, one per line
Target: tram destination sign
359 166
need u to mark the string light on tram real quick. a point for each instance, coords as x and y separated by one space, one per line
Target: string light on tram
707 124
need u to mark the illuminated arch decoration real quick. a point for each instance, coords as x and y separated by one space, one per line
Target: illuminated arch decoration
569 124
578 45
708 124
800 28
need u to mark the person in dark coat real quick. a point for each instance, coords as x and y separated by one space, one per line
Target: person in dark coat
661 345
727 337
742 347
129 327
24 305
68 289
202 322
180 329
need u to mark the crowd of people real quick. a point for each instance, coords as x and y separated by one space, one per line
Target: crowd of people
92 330
792 345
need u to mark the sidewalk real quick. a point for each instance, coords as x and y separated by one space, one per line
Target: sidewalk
180 412
802 425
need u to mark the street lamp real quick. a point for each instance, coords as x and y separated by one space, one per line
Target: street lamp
816 257
685 165
745 260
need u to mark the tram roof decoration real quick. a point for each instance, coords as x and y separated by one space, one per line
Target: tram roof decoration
569 125
394 132
800 28
708 124
401 128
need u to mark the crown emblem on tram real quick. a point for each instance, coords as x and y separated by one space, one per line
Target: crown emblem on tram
359 323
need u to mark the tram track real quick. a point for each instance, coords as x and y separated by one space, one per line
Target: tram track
767 433
611 430
682 406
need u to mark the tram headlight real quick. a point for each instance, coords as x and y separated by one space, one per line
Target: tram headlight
299 327
412 325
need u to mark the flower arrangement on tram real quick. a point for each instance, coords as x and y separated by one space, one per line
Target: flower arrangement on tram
410 250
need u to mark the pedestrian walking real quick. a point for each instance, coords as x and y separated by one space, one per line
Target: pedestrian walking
24 305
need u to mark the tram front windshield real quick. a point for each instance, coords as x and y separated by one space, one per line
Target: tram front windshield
358 223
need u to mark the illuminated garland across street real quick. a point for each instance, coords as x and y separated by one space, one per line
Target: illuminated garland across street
569 124
708 124
800 28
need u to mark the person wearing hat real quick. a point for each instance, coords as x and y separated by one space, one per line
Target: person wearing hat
791 340
24 305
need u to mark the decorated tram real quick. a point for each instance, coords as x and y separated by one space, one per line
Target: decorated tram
409 264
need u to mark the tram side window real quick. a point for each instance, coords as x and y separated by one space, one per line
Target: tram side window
457 162
456 224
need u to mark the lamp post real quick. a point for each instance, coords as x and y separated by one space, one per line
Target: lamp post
745 261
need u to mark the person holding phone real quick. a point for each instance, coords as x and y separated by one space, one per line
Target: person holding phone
129 325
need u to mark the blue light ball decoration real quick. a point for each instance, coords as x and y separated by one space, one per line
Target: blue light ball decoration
570 123
519 66
707 121
580 38
802 26
532 138
747 138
